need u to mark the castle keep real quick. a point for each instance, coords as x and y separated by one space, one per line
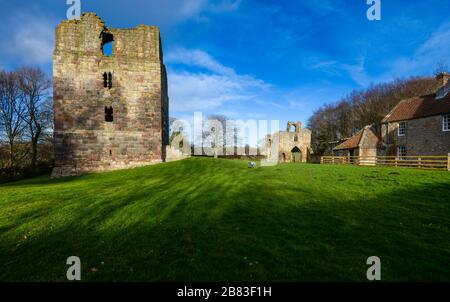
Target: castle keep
111 109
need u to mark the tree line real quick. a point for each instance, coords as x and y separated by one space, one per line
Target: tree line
26 122
342 119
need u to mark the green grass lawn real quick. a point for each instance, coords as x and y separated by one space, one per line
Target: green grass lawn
217 220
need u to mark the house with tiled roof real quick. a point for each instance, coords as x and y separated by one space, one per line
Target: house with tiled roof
420 125
366 142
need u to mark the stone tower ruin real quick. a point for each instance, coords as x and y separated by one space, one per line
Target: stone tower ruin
111 109
289 146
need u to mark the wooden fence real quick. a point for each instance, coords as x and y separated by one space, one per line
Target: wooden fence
422 162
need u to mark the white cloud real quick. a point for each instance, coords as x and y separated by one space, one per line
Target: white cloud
197 58
217 85
224 6
27 37
358 73
423 61
29 40
296 105
323 64
324 7
199 91
166 12
426 57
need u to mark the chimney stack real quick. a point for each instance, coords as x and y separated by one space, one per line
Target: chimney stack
444 85
443 78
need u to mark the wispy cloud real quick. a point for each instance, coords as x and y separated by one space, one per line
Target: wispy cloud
426 57
166 12
358 72
423 61
197 58
224 6
323 64
29 39
210 88
324 7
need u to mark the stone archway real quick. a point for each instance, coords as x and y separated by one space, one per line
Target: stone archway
296 155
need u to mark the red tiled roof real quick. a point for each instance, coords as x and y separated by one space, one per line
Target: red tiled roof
418 107
352 142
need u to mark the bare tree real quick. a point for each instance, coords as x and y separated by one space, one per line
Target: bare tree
222 119
333 122
12 110
35 86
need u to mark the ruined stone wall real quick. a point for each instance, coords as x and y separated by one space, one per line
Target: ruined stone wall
282 143
424 137
83 140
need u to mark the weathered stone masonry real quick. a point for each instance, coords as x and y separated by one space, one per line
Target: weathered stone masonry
85 138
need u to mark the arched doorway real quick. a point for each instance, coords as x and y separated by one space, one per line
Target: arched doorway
296 155
283 157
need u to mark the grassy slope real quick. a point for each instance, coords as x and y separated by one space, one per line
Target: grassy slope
217 220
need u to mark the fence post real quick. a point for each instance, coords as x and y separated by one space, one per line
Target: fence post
420 162
321 160
448 162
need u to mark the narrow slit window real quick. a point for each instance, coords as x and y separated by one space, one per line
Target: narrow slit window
105 80
109 114
109 80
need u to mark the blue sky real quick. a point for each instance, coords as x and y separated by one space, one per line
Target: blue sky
251 59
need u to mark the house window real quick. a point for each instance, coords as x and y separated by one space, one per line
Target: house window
446 122
296 138
401 152
401 129
109 117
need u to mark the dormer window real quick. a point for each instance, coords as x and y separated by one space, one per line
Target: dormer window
402 129
446 122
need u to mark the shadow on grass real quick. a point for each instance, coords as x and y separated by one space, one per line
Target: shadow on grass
186 224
